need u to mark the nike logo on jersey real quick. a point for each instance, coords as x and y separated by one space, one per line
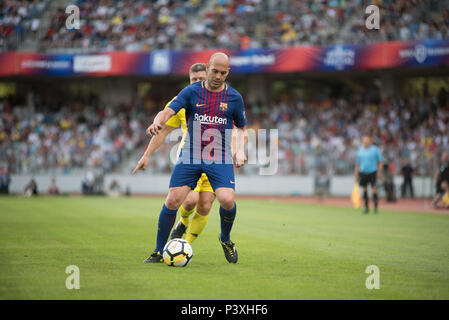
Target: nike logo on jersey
200 105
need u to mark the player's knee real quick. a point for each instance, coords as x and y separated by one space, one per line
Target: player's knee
189 204
172 202
191 201
227 201
204 207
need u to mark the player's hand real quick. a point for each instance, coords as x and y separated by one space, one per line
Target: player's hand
239 159
153 129
142 164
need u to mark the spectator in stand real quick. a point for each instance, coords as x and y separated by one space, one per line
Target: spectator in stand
53 188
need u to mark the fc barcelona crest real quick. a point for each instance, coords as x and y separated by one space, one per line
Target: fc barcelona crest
223 106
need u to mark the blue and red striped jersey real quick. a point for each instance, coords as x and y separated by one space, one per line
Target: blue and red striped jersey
210 117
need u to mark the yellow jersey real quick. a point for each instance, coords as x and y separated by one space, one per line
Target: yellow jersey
179 119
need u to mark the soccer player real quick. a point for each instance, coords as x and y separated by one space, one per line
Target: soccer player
368 169
212 107
202 196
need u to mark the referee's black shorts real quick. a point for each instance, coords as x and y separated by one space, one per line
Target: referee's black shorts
368 178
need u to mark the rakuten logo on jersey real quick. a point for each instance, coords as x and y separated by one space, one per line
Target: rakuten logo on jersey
205 119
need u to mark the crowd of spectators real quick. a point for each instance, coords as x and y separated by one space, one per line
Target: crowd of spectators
67 139
322 136
315 136
131 25
109 25
16 18
404 20
138 25
325 134
242 24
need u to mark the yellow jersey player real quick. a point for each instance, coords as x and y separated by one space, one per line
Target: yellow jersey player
203 195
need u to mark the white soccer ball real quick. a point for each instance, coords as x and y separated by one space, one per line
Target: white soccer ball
177 253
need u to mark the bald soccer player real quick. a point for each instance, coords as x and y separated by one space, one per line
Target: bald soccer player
212 107
203 195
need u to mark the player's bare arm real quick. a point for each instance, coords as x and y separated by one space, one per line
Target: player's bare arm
155 143
241 138
234 141
160 119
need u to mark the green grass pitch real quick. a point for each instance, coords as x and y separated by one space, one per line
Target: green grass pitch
286 251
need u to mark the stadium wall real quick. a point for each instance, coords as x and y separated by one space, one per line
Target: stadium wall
247 185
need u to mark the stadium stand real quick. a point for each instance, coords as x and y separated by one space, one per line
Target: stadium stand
109 25
404 20
67 139
18 18
240 24
313 134
326 134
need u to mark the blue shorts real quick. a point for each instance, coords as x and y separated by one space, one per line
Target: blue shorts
219 175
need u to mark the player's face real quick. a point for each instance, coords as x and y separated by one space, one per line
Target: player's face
197 76
216 75
366 141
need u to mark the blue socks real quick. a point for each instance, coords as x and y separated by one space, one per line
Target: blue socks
226 221
167 219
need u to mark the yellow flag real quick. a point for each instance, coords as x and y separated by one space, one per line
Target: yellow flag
355 196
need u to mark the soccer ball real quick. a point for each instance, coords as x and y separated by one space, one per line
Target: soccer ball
177 253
